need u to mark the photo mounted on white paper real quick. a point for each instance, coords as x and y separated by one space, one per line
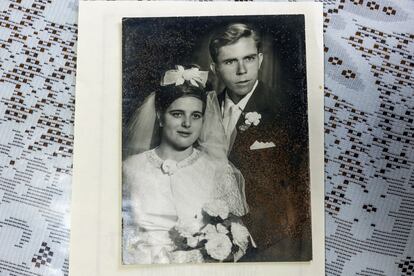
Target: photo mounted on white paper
215 140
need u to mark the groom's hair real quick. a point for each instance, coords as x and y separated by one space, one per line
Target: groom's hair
166 95
229 35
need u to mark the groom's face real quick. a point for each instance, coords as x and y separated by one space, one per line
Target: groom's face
238 66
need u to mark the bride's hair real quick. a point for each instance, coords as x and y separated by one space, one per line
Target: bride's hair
166 95
143 129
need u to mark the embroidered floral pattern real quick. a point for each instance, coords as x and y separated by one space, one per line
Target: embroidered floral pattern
158 162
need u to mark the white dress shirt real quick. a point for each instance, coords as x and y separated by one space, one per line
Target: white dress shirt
231 112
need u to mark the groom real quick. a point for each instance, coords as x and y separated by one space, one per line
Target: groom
259 143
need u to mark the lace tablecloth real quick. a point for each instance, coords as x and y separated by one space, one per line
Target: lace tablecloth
369 136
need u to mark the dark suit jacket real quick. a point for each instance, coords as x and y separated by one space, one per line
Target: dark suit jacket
276 181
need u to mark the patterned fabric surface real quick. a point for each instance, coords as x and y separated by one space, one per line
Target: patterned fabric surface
37 89
369 136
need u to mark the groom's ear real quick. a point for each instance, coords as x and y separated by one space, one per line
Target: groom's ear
260 56
213 68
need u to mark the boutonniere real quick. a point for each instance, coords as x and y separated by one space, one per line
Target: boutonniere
250 118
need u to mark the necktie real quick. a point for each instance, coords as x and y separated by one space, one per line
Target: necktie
232 120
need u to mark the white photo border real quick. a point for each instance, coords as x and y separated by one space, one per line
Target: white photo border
95 247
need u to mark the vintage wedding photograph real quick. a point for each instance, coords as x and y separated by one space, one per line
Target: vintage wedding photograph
215 140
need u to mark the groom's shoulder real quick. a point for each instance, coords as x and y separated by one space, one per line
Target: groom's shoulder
266 99
266 93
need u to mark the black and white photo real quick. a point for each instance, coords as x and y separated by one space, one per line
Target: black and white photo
215 140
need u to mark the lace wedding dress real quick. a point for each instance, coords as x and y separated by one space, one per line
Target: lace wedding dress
159 194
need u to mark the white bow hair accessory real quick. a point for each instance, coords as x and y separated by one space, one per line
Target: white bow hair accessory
180 75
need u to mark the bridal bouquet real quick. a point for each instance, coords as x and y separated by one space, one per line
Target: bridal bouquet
222 236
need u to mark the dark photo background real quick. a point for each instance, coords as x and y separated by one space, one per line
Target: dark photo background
153 45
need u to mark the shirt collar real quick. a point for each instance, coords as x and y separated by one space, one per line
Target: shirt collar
243 102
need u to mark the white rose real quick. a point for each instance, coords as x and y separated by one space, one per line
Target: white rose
217 208
192 241
240 235
187 228
221 229
253 118
218 246
209 229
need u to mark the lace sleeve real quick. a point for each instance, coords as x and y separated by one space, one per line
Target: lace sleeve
230 188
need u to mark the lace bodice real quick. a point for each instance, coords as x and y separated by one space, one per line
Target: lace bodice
158 193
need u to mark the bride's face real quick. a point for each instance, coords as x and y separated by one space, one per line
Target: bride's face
182 122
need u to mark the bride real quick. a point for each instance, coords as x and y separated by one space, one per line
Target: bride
169 184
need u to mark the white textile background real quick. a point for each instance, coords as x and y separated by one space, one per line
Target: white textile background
369 136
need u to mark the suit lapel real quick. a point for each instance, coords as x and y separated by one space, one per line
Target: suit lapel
256 103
